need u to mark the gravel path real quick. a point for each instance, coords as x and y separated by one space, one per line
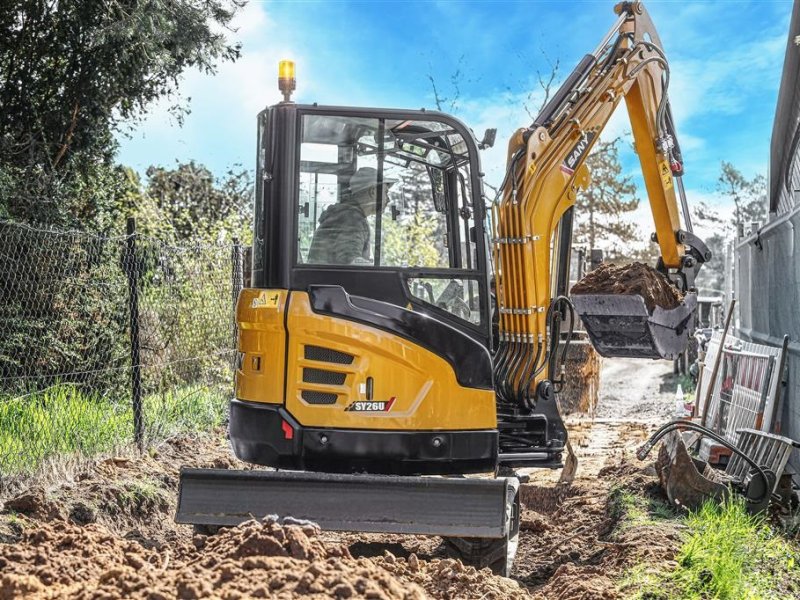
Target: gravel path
636 389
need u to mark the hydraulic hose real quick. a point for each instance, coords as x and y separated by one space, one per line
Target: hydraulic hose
642 452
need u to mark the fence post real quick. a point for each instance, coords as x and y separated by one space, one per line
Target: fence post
132 271
237 282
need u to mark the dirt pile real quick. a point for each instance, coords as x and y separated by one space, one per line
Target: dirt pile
109 533
132 496
635 278
257 559
449 578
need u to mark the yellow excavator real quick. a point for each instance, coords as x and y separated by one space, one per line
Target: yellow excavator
402 332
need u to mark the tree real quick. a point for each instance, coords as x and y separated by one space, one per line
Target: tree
415 237
195 204
749 198
72 73
599 210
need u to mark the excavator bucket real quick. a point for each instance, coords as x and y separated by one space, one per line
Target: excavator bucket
681 477
621 325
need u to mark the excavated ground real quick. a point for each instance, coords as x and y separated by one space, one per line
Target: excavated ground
635 278
108 533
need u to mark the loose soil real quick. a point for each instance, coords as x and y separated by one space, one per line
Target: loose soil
580 391
108 532
633 279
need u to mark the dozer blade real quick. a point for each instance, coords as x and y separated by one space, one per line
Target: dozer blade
620 325
472 508
680 478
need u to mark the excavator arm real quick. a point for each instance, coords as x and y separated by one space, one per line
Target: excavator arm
533 218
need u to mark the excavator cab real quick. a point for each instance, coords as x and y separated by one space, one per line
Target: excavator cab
366 339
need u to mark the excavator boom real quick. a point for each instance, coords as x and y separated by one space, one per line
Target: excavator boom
533 218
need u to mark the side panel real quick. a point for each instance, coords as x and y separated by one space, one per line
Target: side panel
389 384
262 344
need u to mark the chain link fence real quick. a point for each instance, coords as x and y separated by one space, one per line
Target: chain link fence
108 341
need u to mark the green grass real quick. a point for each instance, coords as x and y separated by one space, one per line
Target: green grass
727 554
633 510
65 422
141 496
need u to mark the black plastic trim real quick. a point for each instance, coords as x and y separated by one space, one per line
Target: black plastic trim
470 360
257 436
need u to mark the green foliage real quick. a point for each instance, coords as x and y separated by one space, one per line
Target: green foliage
64 421
416 238
687 383
71 73
192 204
140 496
601 208
63 310
727 554
411 242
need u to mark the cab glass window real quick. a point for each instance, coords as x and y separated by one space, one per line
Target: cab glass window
389 193
383 192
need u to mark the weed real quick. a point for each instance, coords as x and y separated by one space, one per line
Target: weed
634 510
646 580
687 385
141 496
63 421
727 554
14 520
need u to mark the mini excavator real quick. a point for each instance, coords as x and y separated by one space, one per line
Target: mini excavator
373 387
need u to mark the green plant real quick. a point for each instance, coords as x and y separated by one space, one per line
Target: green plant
687 385
634 510
64 421
727 554
141 495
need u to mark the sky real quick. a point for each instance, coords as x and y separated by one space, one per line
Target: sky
725 58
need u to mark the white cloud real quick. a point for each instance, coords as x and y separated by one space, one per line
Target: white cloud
721 83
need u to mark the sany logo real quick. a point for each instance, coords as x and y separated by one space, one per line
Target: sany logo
371 405
575 155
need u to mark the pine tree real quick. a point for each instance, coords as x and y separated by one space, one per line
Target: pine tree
601 208
749 198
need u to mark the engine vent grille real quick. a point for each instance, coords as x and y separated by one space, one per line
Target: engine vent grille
328 355
322 376
318 397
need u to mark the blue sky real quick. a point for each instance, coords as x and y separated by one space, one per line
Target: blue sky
725 57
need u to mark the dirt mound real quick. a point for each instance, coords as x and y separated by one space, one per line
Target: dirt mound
635 278
257 559
449 578
34 504
579 392
109 533
133 496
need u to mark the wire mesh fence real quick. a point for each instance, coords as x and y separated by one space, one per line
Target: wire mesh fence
107 341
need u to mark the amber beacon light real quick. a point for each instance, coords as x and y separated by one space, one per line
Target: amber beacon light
286 80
